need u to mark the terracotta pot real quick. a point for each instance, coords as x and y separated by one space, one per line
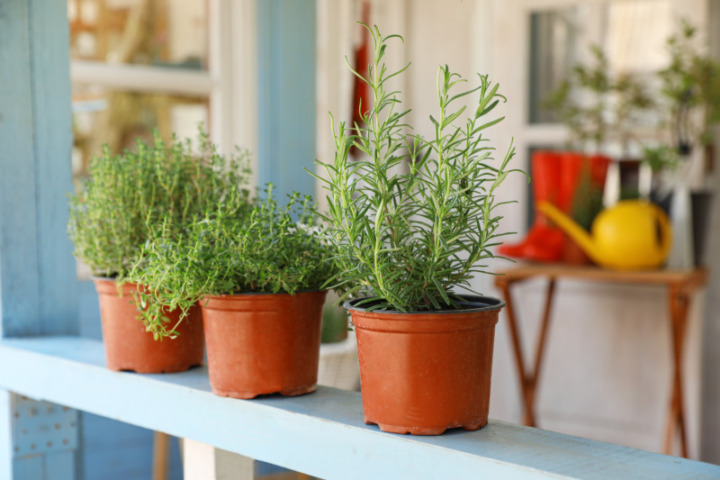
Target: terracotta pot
422 373
129 347
263 343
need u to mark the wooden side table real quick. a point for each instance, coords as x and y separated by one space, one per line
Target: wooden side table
680 284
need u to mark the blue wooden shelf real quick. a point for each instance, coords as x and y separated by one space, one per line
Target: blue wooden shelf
322 434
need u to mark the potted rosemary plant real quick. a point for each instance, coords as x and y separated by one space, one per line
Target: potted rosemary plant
257 274
413 219
115 214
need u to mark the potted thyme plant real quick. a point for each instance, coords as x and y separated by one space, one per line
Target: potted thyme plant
257 274
413 219
114 215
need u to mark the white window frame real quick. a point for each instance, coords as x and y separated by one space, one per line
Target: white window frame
230 83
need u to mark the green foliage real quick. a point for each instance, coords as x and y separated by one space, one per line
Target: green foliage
691 86
413 217
594 105
233 248
661 158
127 194
334 323
587 200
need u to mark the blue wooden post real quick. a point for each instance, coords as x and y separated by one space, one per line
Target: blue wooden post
37 271
286 89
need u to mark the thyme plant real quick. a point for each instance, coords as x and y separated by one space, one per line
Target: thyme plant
414 217
233 248
129 194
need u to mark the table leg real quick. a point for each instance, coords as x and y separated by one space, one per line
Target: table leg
679 303
540 348
528 382
161 456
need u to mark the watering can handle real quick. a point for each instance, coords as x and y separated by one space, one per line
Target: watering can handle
665 231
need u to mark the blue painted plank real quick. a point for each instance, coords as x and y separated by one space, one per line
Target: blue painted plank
37 271
89 311
114 450
6 453
286 94
110 464
320 434
53 139
19 270
31 468
56 466
101 433
59 466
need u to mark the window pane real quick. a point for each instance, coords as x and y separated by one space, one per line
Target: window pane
554 38
170 33
118 118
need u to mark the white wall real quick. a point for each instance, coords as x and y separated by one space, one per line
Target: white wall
710 444
607 372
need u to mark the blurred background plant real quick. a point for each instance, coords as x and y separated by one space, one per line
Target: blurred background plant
594 105
691 92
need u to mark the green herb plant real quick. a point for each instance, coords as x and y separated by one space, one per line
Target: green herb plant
660 158
691 88
595 105
128 195
413 218
233 248
587 200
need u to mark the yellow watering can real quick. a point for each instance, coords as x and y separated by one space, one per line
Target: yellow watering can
632 235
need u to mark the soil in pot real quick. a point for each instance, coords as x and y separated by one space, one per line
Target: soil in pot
263 343
424 373
129 347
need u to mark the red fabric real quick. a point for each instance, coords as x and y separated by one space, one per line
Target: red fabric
361 90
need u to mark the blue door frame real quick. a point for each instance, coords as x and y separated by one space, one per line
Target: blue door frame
286 94
37 272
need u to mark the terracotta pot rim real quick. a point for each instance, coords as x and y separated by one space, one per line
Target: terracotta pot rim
114 280
257 294
111 286
485 304
103 278
97 278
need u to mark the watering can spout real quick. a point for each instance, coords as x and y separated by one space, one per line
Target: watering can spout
570 227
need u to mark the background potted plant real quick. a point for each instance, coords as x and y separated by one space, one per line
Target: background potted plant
683 160
595 106
691 90
113 216
256 273
412 218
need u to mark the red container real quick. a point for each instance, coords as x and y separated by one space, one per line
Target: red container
129 347
422 373
263 343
